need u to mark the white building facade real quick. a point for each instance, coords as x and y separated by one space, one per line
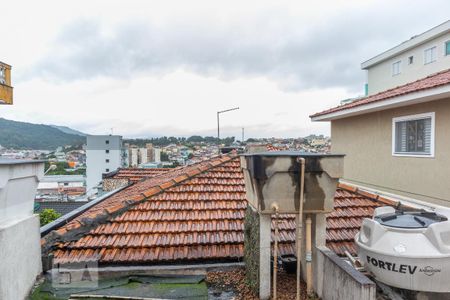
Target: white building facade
103 155
416 58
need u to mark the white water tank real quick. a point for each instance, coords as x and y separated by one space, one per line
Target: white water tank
409 250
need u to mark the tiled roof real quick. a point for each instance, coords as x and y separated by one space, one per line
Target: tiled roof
136 174
432 81
61 207
191 214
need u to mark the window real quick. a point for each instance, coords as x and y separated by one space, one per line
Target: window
410 60
107 170
396 68
430 55
2 75
107 142
447 48
413 135
106 151
107 160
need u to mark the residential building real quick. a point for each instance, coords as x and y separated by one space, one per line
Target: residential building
157 155
103 155
133 156
6 90
150 152
396 139
139 156
416 58
61 187
143 156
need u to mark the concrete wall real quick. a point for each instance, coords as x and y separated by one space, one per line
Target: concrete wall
110 184
380 76
251 248
257 253
340 280
96 157
367 142
20 254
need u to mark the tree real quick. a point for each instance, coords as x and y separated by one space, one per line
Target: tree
48 215
195 139
164 156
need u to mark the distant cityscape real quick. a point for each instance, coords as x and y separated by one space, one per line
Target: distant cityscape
66 177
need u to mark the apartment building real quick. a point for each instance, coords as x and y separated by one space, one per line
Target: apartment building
396 139
138 156
103 155
416 58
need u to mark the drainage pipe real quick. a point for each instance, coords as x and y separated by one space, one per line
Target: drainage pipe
301 160
275 252
308 256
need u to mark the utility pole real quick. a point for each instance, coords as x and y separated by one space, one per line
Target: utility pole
242 141
218 125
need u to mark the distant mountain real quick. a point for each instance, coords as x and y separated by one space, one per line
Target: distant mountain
21 135
68 130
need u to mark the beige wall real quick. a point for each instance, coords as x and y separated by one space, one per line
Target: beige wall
380 76
367 142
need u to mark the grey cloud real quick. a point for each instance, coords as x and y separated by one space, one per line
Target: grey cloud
322 55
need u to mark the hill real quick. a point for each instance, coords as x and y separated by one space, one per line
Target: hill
21 135
68 130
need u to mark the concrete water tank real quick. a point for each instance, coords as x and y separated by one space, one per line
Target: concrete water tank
274 177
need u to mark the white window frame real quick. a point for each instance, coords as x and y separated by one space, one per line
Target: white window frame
425 56
399 62
411 118
445 48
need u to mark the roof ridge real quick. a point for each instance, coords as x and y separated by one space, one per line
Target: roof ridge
367 194
357 102
78 228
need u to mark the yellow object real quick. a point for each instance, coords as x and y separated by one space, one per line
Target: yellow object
6 90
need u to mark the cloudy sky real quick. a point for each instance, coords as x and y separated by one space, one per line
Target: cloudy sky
153 68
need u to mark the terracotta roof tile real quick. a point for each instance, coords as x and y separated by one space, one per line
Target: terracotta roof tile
432 81
136 174
199 219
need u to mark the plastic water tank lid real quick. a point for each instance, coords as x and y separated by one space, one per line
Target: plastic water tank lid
401 219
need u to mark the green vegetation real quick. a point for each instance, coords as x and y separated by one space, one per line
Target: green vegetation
164 141
61 169
21 135
48 215
164 156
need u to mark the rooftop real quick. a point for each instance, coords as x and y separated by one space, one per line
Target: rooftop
430 88
135 174
190 214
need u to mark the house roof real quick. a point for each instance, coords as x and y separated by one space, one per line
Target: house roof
136 174
381 99
61 207
351 206
191 214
